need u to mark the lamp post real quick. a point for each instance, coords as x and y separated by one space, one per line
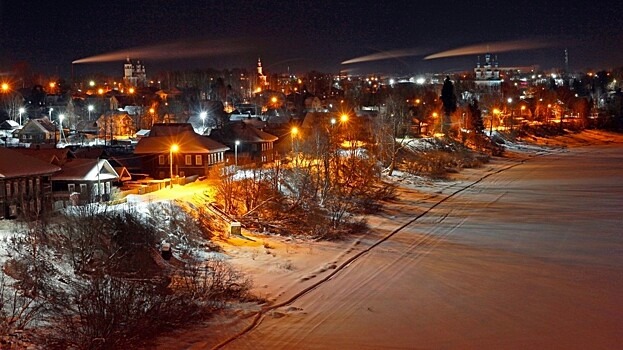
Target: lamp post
293 134
21 111
90 109
510 107
60 122
236 152
203 116
50 114
174 148
495 111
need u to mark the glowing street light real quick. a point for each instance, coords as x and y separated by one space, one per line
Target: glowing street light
90 108
203 116
174 148
495 111
344 118
236 152
293 134
5 87
21 111
60 122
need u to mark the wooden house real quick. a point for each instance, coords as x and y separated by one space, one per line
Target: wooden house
84 180
250 145
39 131
175 149
25 184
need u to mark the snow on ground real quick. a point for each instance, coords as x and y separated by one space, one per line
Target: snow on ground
282 268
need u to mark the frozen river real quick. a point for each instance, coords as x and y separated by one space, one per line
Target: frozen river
528 258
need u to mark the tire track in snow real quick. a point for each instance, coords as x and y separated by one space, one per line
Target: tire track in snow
257 319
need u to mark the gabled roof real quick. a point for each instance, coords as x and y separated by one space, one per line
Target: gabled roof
169 129
243 132
56 156
124 174
86 170
16 164
87 126
42 124
9 125
163 136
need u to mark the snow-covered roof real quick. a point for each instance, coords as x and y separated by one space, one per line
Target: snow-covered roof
86 170
163 136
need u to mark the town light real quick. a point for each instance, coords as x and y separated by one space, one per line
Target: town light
293 134
21 111
344 118
60 122
174 148
236 152
203 116
90 109
5 87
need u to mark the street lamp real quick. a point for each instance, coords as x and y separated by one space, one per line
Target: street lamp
203 116
21 111
174 148
293 134
495 111
236 152
50 114
510 115
90 108
60 122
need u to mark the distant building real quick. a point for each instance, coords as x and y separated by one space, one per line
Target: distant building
261 78
39 131
487 75
134 73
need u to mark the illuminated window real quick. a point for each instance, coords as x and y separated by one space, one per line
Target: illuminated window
198 159
188 159
161 160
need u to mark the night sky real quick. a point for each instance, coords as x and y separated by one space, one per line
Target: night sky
306 35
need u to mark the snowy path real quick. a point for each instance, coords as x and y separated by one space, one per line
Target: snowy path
527 258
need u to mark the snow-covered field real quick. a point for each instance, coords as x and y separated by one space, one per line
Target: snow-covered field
523 253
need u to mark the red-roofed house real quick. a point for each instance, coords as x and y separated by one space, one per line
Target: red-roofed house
195 155
25 184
